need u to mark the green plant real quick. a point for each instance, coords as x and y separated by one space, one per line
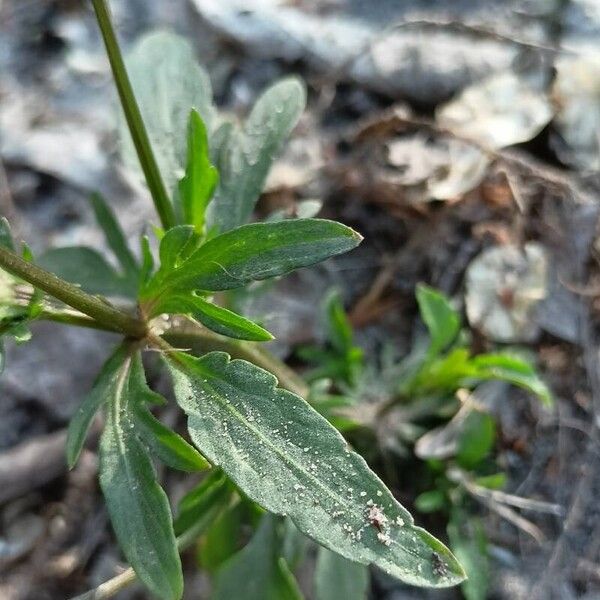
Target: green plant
263 446
434 404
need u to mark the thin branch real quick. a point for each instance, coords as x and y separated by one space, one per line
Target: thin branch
163 205
70 294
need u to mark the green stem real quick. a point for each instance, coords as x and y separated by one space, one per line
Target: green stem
70 294
200 340
163 205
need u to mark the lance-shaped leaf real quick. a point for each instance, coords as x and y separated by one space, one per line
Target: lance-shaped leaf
250 252
138 507
198 507
101 391
337 577
167 81
217 318
89 269
442 321
290 460
248 153
164 443
115 238
258 569
198 184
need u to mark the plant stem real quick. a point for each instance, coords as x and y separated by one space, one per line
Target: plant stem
104 313
163 205
189 335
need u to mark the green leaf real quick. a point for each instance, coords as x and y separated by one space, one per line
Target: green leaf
165 444
288 459
222 540
86 267
337 577
248 153
257 570
476 440
102 389
510 368
248 253
6 238
339 329
147 267
442 321
492 482
470 545
167 82
430 501
138 507
198 507
197 186
215 317
114 235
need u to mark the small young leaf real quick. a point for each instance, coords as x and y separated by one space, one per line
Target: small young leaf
513 369
114 235
200 179
337 577
476 439
288 459
257 570
215 317
165 444
339 329
137 505
102 389
247 155
86 267
442 321
147 267
492 482
248 253
6 239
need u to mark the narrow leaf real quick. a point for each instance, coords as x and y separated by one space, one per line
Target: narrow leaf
167 82
476 439
222 539
200 179
114 235
515 370
138 507
165 444
102 389
337 577
257 570
217 318
252 252
290 460
249 153
86 267
442 321
197 506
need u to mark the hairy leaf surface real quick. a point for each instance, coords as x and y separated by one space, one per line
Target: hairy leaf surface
138 507
248 253
290 460
167 81
247 154
102 390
